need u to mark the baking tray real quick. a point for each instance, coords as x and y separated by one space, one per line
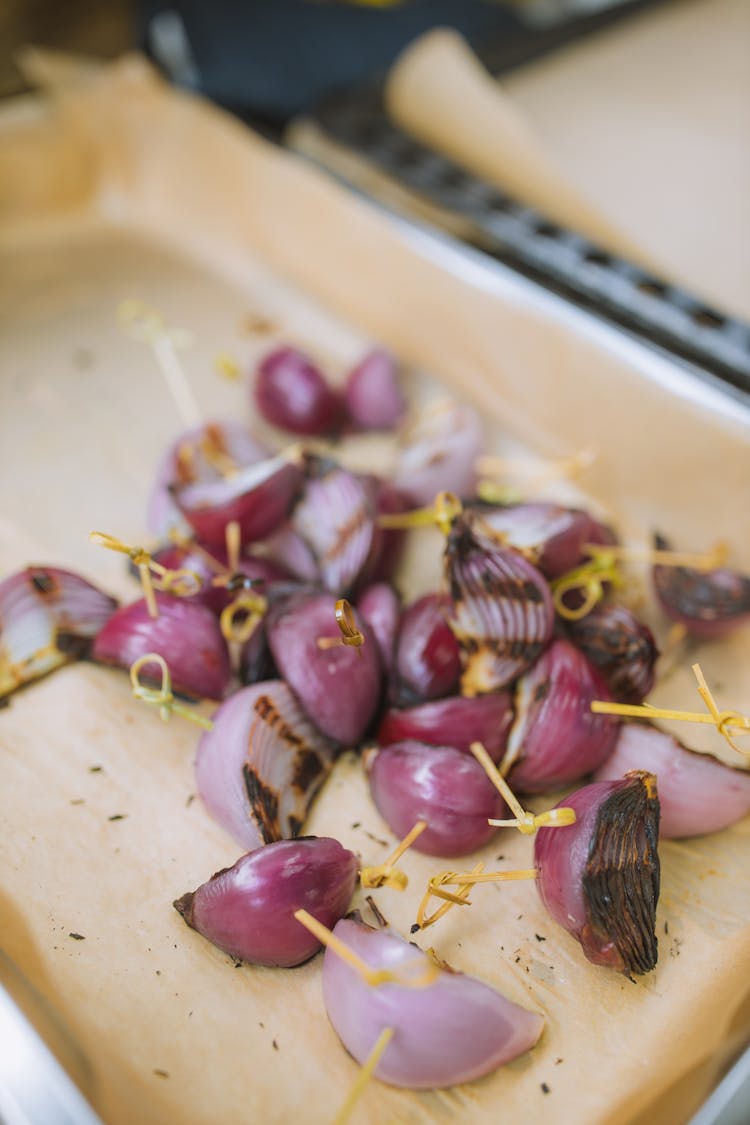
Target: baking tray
114 187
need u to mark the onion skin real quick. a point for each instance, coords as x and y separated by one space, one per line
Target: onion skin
290 392
438 454
553 535
372 396
260 767
339 687
710 604
428 659
48 617
556 738
380 608
258 498
411 781
455 721
599 877
185 634
451 1031
192 458
248 910
502 613
697 793
621 647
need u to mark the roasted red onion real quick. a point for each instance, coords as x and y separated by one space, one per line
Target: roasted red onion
338 687
502 613
697 793
379 607
290 392
455 721
186 634
556 739
552 535
450 1031
710 604
335 517
48 617
428 659
261 765
411 781
289 550
599 877
438 453
208 566
258 498
372 396
621 647
248 909
204 453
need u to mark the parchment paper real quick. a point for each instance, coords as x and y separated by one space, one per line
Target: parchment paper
121 188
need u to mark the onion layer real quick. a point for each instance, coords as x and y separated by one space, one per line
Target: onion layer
697 793
48 617
186 634
379 607
428 659
438 454
556 738
248 909
599 877
411 781
455 722
453 1030
502 611
372 395
261 765
554 535
290 392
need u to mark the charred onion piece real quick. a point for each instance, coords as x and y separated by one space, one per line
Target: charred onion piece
553 537
291 392
452 1030
48 617
709 603
261 765
218 585
248 909
556 739
621 647
502 613
455 722
599 877
412 781
697 793
258 498
428 659
186 634
338 686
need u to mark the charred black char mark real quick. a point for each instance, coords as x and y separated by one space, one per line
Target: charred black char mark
268 713
264 803
307 770
621 879
716 595
184 907
295 826
42 582
77 648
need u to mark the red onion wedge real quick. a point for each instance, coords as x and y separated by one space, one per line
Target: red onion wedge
248 910
428 659
258 498
502 613
455 722
621 647
709 603
411 781
452 1030
556 739
187 635
338 687
48 617
599 877
438 453
552 536
372 396
336 519
379 607
212 569
261 765
698 794
290 392
203 453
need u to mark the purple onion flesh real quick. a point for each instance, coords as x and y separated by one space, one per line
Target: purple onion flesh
438 454
455 721
453 1030
291 392
428 659
411 781
248 910
379 607
599 877
372 395
554 535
